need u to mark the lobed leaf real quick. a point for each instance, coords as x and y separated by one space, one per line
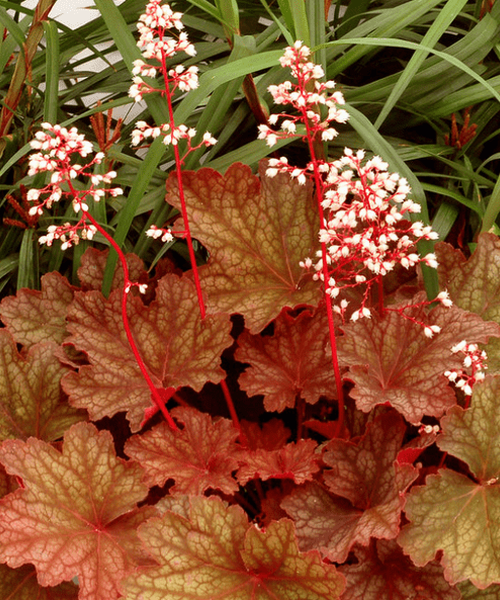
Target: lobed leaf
31 402
34 316
368 487
392 361
202 455
177 346
214 553
296 461
293 362
453 512
474 283
76 513
93 265
383 572
257 232
271 436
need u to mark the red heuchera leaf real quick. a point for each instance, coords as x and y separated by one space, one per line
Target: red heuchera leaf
93 265
295 461
414 448
383 572
257 232
213 553
293 362
177 346
76 515
202 455
453 512
474 284
368 487
31 402
272 436
33 316
21 584
391 360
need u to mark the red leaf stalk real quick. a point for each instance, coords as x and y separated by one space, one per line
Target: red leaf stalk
232 411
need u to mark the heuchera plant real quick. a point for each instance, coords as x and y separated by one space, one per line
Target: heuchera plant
361 457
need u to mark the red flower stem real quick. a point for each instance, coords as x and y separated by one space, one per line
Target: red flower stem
178 170
380 284
232 411
126 324
318 181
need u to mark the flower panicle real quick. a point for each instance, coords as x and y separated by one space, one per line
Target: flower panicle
157 46
59 152
365 209
304 96
161 36
474 366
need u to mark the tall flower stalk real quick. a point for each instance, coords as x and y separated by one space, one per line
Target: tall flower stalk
157 45
362 207
59 151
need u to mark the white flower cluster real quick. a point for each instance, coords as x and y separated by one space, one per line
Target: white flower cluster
474 365
157 232
155 45
68 234
365 228
58 148
304 101
144 131
152 26
364 209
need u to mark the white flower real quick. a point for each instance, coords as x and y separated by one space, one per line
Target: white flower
430 330
444 298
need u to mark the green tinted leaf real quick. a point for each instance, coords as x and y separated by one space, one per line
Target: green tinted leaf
213 553
383 572
456 513
30 392
367 491
177 346
76 514
32 316
391 360
474 284
256 233
296 461
293 362
200 455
